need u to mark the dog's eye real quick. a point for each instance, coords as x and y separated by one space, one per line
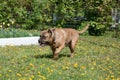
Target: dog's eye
44 37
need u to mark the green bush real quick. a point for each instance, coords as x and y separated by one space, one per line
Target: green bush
96 29
42 14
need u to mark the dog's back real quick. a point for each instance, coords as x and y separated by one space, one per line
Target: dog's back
65 35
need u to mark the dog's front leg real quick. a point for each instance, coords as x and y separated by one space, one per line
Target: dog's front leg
56 51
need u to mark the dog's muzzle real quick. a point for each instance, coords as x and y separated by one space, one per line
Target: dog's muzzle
41 43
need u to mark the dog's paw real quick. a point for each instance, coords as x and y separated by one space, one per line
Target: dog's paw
72 55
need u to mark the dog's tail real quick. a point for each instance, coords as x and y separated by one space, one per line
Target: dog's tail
85 29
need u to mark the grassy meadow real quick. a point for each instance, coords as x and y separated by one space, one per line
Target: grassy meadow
96 58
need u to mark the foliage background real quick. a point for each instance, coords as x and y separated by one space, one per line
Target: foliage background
43 14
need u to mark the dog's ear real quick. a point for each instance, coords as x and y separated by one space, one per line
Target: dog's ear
51 31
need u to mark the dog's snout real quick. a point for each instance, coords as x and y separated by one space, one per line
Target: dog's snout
38 41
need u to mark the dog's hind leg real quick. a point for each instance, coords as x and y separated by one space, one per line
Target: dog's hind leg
72 46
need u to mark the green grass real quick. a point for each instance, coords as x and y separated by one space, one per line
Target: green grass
96 58
12 32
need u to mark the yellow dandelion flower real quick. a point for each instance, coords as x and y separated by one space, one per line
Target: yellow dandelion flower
63 67
113 45
113 61
92 68
101 78
41 66
9 70
112 77
22 79
32 76
25 56
82 67
66 67
7 75
110 67
53 65
49 70
38 73
32 65
14 67
94 63
68 64
19 75
28 70
30 79
83 74
59 73
0 75
44 78
108 58
26 74
75 65
107 78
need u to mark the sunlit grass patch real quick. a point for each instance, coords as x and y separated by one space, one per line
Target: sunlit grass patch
96 58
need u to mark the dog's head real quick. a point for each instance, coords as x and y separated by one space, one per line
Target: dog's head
46 37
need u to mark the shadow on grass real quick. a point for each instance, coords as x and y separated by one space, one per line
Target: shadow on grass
50 56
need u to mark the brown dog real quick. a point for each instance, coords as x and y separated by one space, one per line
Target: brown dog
58 38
